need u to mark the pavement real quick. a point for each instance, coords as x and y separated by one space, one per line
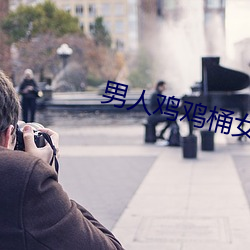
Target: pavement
149 195
186 204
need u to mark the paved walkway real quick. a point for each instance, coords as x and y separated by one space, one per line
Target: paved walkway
185 204
181 204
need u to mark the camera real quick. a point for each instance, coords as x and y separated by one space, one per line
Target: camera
38 137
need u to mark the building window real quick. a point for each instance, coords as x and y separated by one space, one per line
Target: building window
119 27
119 9
82 26
106 9
91 27
79 10
119 44
92 10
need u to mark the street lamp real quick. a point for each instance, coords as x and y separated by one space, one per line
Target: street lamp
64 51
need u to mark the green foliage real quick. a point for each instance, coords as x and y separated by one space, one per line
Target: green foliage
100 33
141 75
42 18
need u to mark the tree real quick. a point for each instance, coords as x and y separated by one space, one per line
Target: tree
42 18
93 64
100 33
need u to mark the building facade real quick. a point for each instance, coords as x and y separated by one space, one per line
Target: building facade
208 13
120 18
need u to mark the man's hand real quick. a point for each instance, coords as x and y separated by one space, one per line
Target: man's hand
45 153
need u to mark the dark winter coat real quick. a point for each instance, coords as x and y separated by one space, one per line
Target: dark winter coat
36 214
32 93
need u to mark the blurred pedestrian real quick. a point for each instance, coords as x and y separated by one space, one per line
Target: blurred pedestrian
29 91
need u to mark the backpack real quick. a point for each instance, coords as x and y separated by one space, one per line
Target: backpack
174 136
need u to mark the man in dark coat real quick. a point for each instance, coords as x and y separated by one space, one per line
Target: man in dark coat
35 212
158 117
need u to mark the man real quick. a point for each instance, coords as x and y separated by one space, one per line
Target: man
157 117
35 212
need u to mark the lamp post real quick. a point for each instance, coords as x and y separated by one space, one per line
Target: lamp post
64 51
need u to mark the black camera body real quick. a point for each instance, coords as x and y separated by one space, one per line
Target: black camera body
38 138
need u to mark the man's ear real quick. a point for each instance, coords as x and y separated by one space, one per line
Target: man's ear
7 140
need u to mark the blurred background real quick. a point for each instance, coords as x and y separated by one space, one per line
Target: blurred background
75 46
135 42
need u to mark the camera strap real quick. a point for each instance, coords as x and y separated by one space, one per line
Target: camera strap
48 139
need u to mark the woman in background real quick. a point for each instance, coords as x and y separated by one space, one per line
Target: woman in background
29 91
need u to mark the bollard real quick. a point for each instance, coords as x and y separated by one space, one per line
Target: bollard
150 133
189 146
207 140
